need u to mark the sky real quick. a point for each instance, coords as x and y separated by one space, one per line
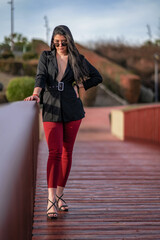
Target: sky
88 20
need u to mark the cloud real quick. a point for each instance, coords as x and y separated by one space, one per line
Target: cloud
124 18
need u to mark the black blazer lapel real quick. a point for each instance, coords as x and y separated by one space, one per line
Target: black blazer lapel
52 64
67 70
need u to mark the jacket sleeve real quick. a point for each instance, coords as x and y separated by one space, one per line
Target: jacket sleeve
94 77
42 71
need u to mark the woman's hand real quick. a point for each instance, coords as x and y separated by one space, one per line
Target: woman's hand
81 92
76 90
80 85
32 98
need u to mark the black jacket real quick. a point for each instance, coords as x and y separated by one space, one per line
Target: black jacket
63 105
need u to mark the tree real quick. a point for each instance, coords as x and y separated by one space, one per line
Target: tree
19 42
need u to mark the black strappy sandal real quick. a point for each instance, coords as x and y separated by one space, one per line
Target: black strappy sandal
63 206
53 213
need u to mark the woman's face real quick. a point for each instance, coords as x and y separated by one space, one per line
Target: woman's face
60 43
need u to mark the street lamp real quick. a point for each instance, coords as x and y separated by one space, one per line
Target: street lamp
12 24
156 60
47 29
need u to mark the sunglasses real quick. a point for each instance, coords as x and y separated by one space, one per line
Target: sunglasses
64 44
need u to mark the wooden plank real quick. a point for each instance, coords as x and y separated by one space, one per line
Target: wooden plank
113 191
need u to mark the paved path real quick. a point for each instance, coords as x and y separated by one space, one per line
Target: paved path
113 190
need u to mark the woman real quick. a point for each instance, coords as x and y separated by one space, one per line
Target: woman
61 72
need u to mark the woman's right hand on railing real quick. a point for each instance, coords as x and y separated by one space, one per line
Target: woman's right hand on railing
32 98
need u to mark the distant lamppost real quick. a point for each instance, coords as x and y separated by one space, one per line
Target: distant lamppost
12 23
156 60
47 29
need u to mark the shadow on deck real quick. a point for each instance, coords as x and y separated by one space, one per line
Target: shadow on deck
113 190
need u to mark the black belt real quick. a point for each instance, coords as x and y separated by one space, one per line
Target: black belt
59 86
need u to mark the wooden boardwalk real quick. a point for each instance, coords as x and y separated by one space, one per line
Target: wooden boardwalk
113 190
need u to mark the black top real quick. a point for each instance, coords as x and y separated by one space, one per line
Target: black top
63 105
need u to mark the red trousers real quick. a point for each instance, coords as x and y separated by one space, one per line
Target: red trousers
60 139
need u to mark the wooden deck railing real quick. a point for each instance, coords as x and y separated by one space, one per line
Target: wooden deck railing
137 122
19 138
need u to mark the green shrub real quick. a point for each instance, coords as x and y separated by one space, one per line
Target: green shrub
20 88
19 67
29 55
29 69
7 54
11 66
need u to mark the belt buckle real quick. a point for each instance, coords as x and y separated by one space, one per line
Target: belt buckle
60 86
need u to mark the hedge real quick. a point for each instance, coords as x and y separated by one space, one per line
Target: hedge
16 67
19 88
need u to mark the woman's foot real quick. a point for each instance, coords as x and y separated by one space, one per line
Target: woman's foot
52 209
61 204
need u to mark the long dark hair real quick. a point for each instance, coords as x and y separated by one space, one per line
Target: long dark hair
75 59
